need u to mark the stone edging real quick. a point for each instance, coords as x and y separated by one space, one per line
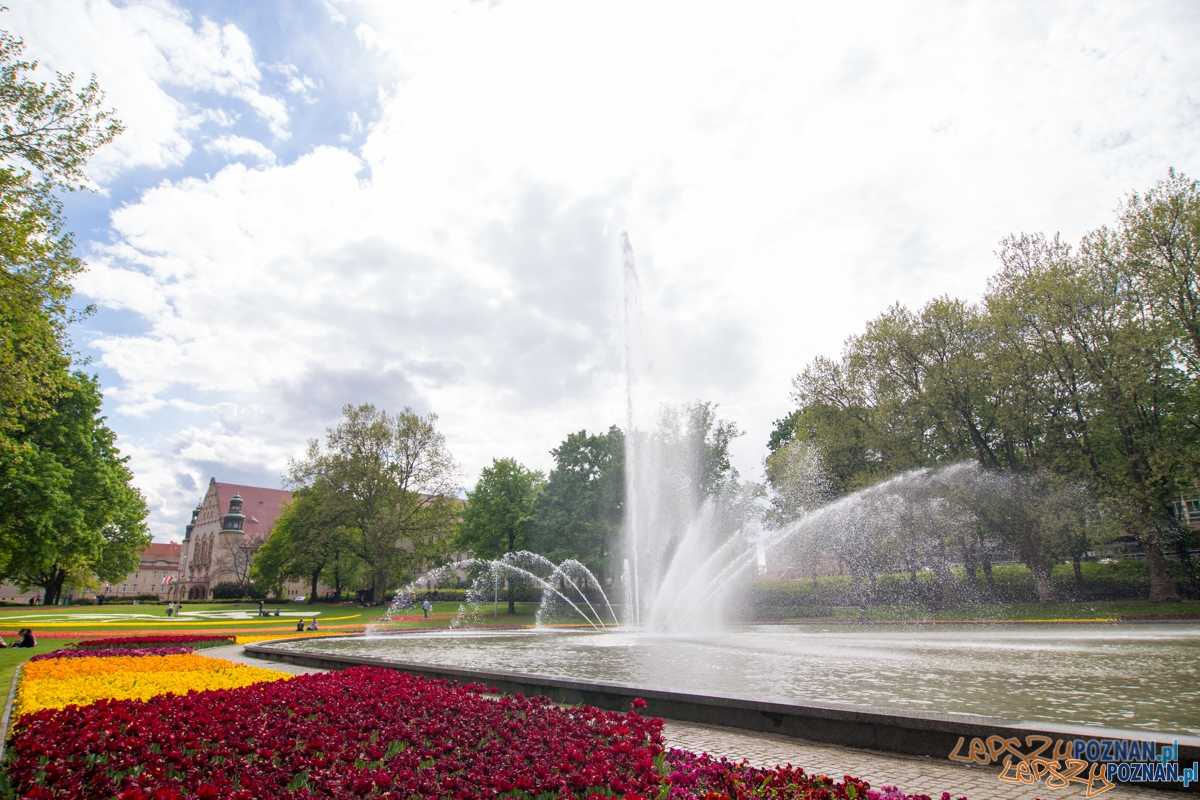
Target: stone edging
7 718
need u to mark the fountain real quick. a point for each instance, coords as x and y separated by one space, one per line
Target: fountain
911 689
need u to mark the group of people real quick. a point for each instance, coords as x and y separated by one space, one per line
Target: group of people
27 639
300 624
262 612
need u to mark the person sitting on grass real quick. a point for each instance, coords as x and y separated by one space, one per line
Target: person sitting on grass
300 625
313 627
2 642
27 638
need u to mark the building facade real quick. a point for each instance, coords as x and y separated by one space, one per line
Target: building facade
229 525
156 574
227 528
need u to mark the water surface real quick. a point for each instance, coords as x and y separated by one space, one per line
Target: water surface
1140 676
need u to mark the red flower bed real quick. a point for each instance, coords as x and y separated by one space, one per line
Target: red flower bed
158 640
113 652
364 731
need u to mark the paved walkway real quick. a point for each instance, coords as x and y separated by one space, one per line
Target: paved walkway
912 774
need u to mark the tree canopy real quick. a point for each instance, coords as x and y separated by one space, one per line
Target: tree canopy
388 483
580 511
67 509
1079 362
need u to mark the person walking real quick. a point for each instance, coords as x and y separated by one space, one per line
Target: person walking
427 607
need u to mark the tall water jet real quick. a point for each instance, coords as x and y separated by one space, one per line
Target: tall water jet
687 526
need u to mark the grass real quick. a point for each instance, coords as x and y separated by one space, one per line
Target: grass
12 657
230 619
1011 612
61 626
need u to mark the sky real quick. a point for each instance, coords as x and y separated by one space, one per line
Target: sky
421 204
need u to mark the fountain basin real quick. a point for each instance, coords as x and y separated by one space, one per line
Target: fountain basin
893 688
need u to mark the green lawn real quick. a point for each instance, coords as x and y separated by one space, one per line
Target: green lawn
60 626
234 619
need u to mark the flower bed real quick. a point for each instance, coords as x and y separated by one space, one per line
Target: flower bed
57 683
374 732
158 640
363 731
113 652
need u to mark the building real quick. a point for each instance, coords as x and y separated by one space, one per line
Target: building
155 575
1187 510
227 528
157 572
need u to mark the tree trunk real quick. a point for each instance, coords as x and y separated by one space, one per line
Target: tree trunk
1185 558
1078 575
1043 581
986 561
947 585
1162 588
312 596
512 603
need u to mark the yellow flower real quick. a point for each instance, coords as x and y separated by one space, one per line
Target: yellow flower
56 683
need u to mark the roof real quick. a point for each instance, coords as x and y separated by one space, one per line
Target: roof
162 551
260 505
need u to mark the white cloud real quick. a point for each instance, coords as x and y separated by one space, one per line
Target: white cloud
785 173
234 146
157 66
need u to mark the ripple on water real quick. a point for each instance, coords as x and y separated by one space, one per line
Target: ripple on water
1128 676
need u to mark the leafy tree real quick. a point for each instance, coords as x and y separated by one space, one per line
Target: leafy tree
1115 408
499 512
47 134
306 542
69 508
580 511
391 480
1079 363
61 512
798 481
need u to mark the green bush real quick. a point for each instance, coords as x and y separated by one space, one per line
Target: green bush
228 590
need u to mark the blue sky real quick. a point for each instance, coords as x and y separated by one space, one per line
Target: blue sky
420 203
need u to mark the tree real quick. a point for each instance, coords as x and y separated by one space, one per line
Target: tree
499 512
797 480
1112 406
391 480
307 541
237 560
1080 363
69 509
579 512
47 134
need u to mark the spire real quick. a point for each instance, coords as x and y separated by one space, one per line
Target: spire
187 530
235 519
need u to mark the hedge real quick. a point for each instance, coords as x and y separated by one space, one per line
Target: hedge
1121 580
